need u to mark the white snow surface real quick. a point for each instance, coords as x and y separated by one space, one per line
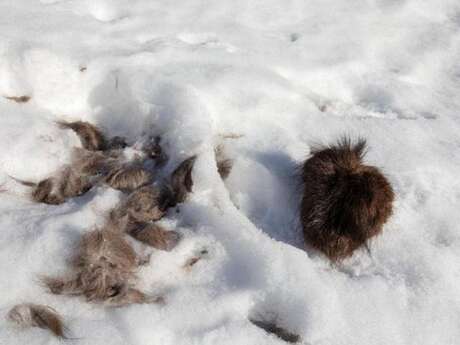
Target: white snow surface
279 77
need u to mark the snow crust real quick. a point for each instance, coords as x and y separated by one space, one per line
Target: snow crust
277 77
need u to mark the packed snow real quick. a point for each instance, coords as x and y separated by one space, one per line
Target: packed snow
267 80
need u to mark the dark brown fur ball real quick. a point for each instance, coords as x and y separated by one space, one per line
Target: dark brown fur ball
345 202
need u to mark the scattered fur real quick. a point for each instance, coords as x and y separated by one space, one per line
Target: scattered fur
155 236
272 328
105 270
18 99
224 164
34 315
181 182
93 163
142 205
153 150
117 143
90 136
56 190
344 202
71 184
128 177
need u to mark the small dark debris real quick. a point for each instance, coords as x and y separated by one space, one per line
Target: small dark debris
18 99
83 68
231 136
192 261
271 327
294 37
323 108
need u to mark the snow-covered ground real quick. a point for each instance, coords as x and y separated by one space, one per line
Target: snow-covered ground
278 76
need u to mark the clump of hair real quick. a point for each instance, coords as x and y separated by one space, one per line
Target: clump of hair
153 150
273 328
34 315
224 164
18 99
57 189
104 270
116 143
93 163
128 177
154 236
180 183
91 137
345 202
143 205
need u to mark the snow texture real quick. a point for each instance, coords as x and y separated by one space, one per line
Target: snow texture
267 79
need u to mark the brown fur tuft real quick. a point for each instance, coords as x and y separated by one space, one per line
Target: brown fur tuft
90 136
154 151
181 182
60 286
154 236
18 99
128 177
116 143
143 205
34 315
104 270
272 328
43 193
344 202
58 189
93 163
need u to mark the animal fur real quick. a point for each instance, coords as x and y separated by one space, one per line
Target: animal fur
91 137
345 202
117 143
273 328
128 177
18 99
34 315
153 150
104 270
181 183
93 163
153 235
143 205
56 190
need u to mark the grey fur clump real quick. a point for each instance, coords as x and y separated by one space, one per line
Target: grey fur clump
273 328
34 315
145 204
128 177
91 137
57 189
94 162
154 235
179 185
104 271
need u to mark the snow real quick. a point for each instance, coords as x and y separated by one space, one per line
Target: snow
277 77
